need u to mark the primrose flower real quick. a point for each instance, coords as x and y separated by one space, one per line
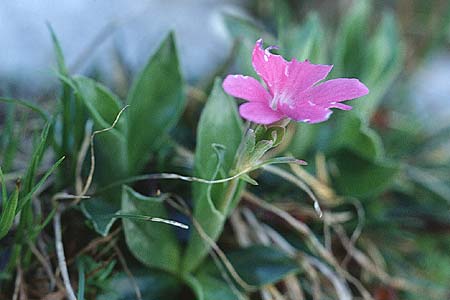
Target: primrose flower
292 89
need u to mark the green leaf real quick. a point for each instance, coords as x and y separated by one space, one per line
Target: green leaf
212 286
383 62
69 125
256 265
58 52
81 279
102 104
430 181
304 138
261 265
111 146
9 210
219 124
36 158
156 102
25 199
101 210
153 285
305 41
351 40
154 244
9 138
27 104
352 133
360 177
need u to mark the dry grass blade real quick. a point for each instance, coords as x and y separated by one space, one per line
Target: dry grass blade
182 206
314 243
295 180
61 257
294 289
339 285
321 189
368 265
46 264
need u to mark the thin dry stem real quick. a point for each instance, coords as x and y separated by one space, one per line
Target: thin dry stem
321 189
80 158
61 257
294 289
45 263
313 241
184 208
92 168
133 282
293 179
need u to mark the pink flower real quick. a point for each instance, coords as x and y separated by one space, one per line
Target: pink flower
292 89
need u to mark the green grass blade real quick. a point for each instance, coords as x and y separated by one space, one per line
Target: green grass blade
24 200
8 212
27 104
4 192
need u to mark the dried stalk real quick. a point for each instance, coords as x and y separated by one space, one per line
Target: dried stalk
61 257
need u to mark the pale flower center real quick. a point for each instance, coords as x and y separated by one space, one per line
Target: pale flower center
282 98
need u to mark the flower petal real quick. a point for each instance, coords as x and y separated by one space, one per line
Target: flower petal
245 87
313 105
302 75
307 113
331 92
259 113
270 67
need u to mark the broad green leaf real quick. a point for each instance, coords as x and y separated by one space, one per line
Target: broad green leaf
210 284
305 41
219 125
360 177
101 210
102 104
156 102
383 63
352 133
110 146
153 285
351 40
304 138
195 286
257 265
154 244
261 265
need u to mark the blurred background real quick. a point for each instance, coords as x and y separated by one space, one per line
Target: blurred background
100 37
392 155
